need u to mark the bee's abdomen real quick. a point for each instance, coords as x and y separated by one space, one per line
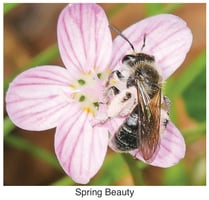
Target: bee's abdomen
127 137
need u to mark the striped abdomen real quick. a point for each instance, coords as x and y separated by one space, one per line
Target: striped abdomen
127 137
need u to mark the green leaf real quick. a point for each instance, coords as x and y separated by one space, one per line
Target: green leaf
176 87
195 97
159 8
175 175
153 8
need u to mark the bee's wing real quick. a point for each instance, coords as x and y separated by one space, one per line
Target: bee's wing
149 121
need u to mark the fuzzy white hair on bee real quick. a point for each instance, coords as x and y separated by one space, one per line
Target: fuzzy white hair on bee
123 103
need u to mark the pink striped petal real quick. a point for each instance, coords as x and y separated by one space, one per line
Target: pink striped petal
84 37
172 148
168 38
80 148
36 98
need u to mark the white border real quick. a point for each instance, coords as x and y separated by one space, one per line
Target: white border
65 192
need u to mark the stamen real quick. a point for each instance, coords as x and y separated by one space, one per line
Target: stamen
87 90
96 105
82 98
72 85
88 109
81 82
99 75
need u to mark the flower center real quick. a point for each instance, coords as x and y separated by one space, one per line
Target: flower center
90 88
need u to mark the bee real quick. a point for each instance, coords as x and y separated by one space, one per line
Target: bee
135 92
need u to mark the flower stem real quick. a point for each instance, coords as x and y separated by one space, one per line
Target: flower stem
134 169
8 126
66 180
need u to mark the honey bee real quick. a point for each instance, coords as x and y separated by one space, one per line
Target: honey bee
135 91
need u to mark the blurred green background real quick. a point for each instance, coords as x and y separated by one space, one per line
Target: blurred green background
30 40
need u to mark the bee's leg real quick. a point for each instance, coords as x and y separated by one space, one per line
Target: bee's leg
101 118
109 94
130 106
114 90
164 119
115 75
118 74
120 104
166 104
131 82
165 122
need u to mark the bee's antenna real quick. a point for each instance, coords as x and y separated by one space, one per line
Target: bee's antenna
123 36
144 40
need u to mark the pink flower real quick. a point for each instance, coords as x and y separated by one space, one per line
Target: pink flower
45 97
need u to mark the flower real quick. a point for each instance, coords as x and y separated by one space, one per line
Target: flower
68 98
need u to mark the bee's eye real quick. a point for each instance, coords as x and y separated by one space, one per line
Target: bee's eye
129 60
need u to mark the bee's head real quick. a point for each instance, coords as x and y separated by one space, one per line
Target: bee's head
134 59
129 60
